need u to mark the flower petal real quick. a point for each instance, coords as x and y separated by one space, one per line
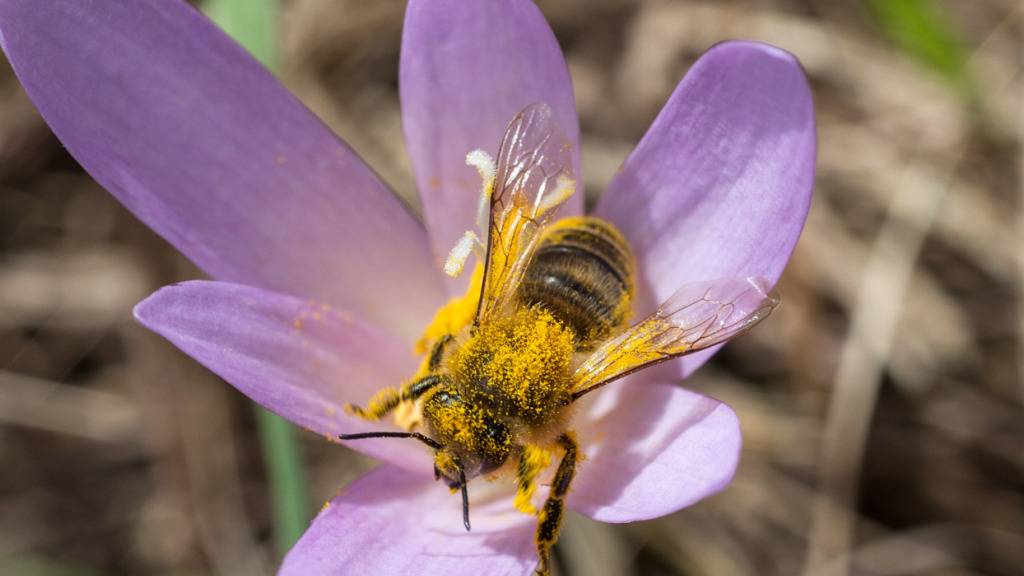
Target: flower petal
467 68
652 449
721 183
208 149
298 358
392 523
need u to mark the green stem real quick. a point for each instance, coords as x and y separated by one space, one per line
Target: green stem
923 30
253 24
283 459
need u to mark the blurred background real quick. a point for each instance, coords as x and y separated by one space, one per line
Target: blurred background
881 405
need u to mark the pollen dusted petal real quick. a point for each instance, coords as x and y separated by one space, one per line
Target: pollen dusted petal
458 312
200 142
721 183
297 358
466 69
651 449
392 523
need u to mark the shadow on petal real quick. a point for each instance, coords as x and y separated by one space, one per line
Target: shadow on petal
392 522
653 448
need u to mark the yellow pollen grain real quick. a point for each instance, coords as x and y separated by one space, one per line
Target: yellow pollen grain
445 462
524 358
454 315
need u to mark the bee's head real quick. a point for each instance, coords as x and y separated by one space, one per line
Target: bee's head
474 441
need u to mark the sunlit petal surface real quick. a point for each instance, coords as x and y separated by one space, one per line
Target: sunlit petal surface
467 68
721 183
208 149
298 358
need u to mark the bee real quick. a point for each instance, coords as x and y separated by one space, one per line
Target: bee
543 324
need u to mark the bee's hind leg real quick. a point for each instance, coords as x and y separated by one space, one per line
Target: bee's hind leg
550 517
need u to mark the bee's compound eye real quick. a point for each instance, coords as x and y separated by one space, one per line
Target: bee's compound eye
445 398
496 432
495 445
446 415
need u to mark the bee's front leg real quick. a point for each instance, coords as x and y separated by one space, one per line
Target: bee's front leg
550 517
388 399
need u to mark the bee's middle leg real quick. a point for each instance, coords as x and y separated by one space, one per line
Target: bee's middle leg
532 461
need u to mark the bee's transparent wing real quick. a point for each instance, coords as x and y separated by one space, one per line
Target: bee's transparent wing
534 176
696 317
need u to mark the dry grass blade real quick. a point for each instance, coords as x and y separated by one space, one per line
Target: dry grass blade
55 407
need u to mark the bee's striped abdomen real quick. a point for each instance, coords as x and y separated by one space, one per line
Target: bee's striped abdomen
582 272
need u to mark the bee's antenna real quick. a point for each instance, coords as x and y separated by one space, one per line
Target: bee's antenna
426 440
429 442
465 499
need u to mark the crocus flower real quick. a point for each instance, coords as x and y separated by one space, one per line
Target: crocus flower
324 280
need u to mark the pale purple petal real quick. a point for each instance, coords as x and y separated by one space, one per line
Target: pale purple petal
467 68
208 149
652 448
393 523
298 358
721 183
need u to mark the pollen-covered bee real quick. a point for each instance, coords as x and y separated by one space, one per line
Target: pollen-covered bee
543 324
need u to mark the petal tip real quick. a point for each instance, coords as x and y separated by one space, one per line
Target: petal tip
142 312
148 311
770 54
756 47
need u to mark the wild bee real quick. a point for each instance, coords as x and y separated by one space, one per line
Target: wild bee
542 325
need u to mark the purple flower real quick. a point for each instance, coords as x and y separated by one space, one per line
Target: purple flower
324 280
